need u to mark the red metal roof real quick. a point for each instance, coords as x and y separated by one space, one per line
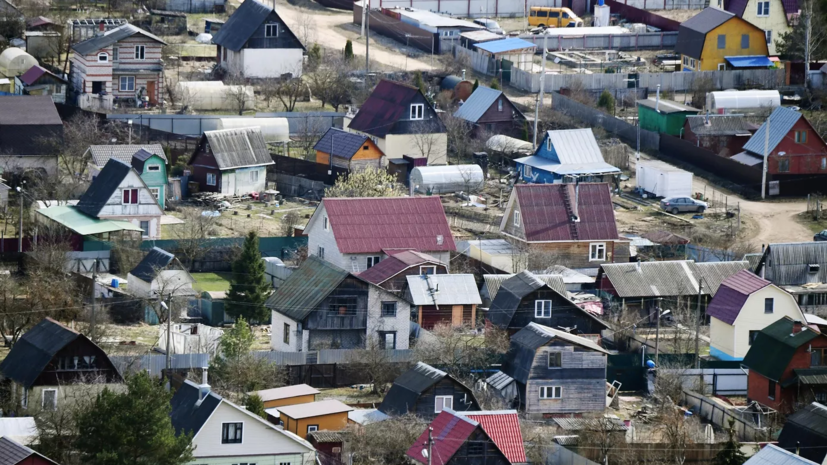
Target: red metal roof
733 293
503 428
546 211
388 102
36 72
450 431
366 225
397 262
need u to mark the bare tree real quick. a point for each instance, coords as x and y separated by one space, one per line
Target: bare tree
198 226
290 91
458 131
238 94
369 182
427 143
461 354
384 443
289 222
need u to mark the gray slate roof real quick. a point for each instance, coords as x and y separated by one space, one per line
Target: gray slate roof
692 32
499 380
102 153
719 125
103 186
576 146
111 37
669 278
23 110
239 148
773 455
789 264
343 144
781 121
12 453
453 289
35 349
188 416
153 262
477 104
492 283
806 428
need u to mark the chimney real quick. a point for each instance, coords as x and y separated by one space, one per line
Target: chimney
657 99
796 327
797 447
101 28
204 376
203 392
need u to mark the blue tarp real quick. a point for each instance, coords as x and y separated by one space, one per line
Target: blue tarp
505 45
750 61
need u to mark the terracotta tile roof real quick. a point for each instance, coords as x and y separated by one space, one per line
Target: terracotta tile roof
732 294
503 427
450 431
396 263
366 225
546 208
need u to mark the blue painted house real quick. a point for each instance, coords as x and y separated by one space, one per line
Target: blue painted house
570 155
153 170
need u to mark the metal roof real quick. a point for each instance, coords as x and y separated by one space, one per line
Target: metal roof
343 144
443 289
814 376
395 264
719 125
581 169
499 380
692 32
773 455
404 394
28 110
36 72
666 106
575 146
428 18
480 36
321 437
239 148
781 122
478 103
789 264
503 428
305 288
449 431
749 61
714 273
668 278
155 364
806 429
102 153
506 45
733 294
366 416
286 392
111 37
773 349
13 453
551 333
314 409
492 283
389 104
189 413
242 25
154 261
103 187
83 224
746 158
581 424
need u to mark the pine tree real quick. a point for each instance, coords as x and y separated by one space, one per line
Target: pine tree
249 288
418 82
476 84
348 50
495 84
731 453
255 405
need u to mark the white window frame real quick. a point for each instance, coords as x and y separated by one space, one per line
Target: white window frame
594 252
212 177
517 217
426 267
125 79
140 52
315 428
103 57
555 391
326 224
153 167
268 30
144 232
417 111
116 53
43 399
721 66
540 308
439 403
500 105
763 9
221 440
373 260
130 189
768 35
321 252
254 176
527 171
156 192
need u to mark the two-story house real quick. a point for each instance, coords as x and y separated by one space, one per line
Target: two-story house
358 233
444 299
775 17
716 40
568 155
149 160
119 193
46 365
256 43
231 161
799 268
321 306
401 121
123 63
426 391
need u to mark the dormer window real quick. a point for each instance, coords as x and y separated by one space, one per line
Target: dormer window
271 30
103 58
418 111
813 268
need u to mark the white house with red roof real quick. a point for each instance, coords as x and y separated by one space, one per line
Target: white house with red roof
357 233
743 306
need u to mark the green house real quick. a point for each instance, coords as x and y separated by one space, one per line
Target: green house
153 170
664 116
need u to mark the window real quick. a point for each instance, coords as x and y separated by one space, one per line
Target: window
343 306
721 41
527 171
127 83
768 35
140 51
542 309
752 336
312 428
153 168
116 53
784 165
555 360
372 261
387 339
500 105
388 308
763 8
813 268
517 216
321 253
551 392
254 176
212 179
542 14
721 66
231 433
271 30
103 58
548 144
427 269
443 402
597 252
824 163
769 303
155 191
287 333
145 228
745 41
24 397
818 358
418 111
366 148
130 196
771 389
800 137
49 401
326 224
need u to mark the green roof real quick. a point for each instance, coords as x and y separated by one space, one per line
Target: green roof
84 224
807 376
774 347
303 290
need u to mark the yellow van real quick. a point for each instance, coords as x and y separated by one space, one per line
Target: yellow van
544 16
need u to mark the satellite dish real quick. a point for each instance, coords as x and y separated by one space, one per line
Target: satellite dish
425 453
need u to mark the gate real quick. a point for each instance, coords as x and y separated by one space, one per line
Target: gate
506 70
317 376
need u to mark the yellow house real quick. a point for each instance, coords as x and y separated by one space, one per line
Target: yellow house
743 306
350 150
716 40
287 395
326 415
775 17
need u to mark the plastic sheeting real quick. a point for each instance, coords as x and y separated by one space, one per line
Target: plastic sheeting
447 179
507 144
15 62
273 129
739 99
214 95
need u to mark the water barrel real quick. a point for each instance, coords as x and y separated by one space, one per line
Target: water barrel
115 282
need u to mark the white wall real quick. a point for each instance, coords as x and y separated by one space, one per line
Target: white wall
277 334
271 62
401 323
244 183
138 287
147 208
753 318
318 237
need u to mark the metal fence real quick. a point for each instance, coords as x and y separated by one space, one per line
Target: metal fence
723 381
644 41
730 79
665 4
479 62
745 429
155 364
195 125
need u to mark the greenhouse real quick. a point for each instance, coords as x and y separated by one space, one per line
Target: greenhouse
447 179
274 130
15 62
214 95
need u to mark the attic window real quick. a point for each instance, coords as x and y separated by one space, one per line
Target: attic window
366 148
271 30
548 144
103 58
153 168
418 111
814 268
439 239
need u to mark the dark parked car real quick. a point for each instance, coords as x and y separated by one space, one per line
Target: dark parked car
821 237
675 205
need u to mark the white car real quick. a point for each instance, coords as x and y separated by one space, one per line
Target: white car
490 25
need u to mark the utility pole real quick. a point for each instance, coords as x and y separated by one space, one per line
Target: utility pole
698 326
657 332
367 42
364 15
20 235
542 87
169 337
94 280
766 158
430 445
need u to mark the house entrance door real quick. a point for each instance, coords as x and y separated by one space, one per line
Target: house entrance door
150 90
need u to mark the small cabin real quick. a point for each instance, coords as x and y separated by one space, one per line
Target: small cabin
426 391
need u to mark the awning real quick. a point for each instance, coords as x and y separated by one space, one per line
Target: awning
749 61
747 159
83 224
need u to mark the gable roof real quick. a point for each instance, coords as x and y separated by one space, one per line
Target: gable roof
503 427
36 72
668 278
28 110
692 32
238 148
774 455
733 294
806 429
395 264
477 104
493 282
574 146
407 387
156 260
102 153
305 288
111 37
102 187
505 45
12 453
546 211
286 392
188 415
242 24
719 125
781 121
388 103
789 264
443 289
449 432
774 347
314 409
368 225
343 144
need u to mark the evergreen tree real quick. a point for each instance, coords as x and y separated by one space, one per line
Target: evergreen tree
731 453
418 82
495 84
132 427
606 101
249 288
348 50
255 405
476 84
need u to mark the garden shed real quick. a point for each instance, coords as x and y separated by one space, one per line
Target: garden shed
663 116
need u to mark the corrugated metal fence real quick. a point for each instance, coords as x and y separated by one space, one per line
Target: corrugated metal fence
195 125
644 41
156 363
329 356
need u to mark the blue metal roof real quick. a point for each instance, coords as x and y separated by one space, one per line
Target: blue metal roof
477 104
505 45
781 121
749 61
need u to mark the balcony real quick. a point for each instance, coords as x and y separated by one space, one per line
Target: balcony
331 320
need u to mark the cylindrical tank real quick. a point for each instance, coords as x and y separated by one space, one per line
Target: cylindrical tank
720 102
447 179
273 129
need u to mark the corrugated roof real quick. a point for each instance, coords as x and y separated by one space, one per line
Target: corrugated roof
83 224
449 432
188 415
329 437
771 352
749 61
747 158
781 121
579 169
503 427
733 293
506 45
477 104
772 455
28 110
305 288
365 225
499 380
789 264
343 144
314 409
811 376
668 278
387 105
36 72
156 260
807 430
286 392
719 125
103 187
443 289
575 146
242 24
239 148
111 37
407 387
666 237
692 32
584 424
492 283
13 453
102 153
395 264
666 106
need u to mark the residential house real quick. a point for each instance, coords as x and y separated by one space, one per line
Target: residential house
100 154
483 438
556 372
520 53
71 220
152 169
232 162
351 151
40 81
489 111
25 121
47 364
787 366
14 453
568 155
743 306
287 395
401 121
774 455
444 299
663 116
775 17
225 433
22 430
119 193
799 268
392 273
120 64
524 298
796 150
426 391
160 275
321 306
574 223
256 43
724 135
715 39
492 255
562 279
324 415
358 233
805 433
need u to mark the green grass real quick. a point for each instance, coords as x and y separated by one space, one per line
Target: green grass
806 218
212 282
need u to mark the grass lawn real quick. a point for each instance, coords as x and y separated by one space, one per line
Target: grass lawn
212 281
806 218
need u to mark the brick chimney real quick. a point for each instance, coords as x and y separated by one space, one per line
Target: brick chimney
796 327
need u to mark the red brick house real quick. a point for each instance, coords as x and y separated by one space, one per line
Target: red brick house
787 366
